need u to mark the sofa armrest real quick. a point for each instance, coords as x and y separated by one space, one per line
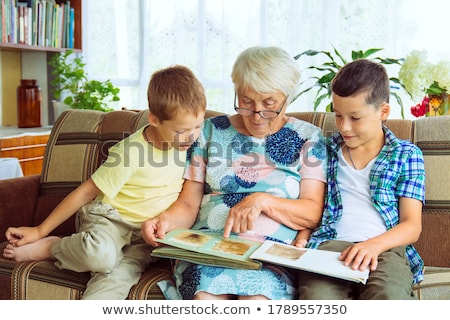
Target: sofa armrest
435 285
18 200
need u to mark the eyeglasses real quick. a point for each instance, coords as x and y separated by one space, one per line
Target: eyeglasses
265 114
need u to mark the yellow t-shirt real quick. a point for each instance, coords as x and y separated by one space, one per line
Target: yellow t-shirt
139 180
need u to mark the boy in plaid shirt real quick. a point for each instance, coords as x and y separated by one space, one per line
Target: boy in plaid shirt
376 189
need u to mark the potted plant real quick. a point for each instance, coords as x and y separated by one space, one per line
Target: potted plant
74 89
324 74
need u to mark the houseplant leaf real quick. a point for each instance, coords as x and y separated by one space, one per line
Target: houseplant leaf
323 74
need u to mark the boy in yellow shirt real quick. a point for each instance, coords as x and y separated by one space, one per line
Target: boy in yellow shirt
141 177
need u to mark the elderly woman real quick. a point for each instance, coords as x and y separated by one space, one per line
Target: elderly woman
257 172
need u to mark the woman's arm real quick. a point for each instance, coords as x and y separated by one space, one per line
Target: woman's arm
302 213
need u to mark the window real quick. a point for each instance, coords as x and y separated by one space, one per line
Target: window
126 41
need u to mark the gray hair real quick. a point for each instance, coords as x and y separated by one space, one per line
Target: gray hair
266 69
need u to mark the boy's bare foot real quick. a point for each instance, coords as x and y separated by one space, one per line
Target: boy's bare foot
35 251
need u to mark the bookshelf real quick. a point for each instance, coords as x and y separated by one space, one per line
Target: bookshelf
11 40
27 61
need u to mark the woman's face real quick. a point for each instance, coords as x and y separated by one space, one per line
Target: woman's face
249 102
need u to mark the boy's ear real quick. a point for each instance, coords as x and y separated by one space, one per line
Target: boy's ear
385 110
153 120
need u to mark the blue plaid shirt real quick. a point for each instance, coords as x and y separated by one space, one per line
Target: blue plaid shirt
397 172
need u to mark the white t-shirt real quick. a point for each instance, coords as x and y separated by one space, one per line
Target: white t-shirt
360 220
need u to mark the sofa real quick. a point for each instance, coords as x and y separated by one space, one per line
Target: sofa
79 143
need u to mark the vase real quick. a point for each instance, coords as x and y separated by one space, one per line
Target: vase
28 104
438 105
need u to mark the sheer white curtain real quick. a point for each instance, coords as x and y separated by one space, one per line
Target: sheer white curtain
126 41
208 35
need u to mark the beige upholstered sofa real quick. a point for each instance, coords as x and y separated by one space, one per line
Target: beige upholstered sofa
79 142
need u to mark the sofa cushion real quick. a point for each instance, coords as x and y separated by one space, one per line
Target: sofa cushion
78 144
43 280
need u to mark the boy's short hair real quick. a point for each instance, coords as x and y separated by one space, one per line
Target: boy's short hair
175 89
363 75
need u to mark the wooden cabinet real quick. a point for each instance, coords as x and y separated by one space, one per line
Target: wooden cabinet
29 149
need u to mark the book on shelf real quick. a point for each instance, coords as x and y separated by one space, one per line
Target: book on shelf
49 4
21 19
46 23
210 248
71 28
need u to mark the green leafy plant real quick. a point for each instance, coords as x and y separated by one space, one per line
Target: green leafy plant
324 74
71 83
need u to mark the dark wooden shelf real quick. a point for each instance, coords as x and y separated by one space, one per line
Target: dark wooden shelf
25 47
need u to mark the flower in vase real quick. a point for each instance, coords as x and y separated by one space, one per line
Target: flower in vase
413 73
421 108
426 81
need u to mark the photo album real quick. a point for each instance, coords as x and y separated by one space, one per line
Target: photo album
210 248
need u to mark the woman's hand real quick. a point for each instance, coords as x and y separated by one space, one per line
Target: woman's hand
243 215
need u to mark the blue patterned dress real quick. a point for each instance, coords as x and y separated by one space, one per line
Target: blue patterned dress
232 166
